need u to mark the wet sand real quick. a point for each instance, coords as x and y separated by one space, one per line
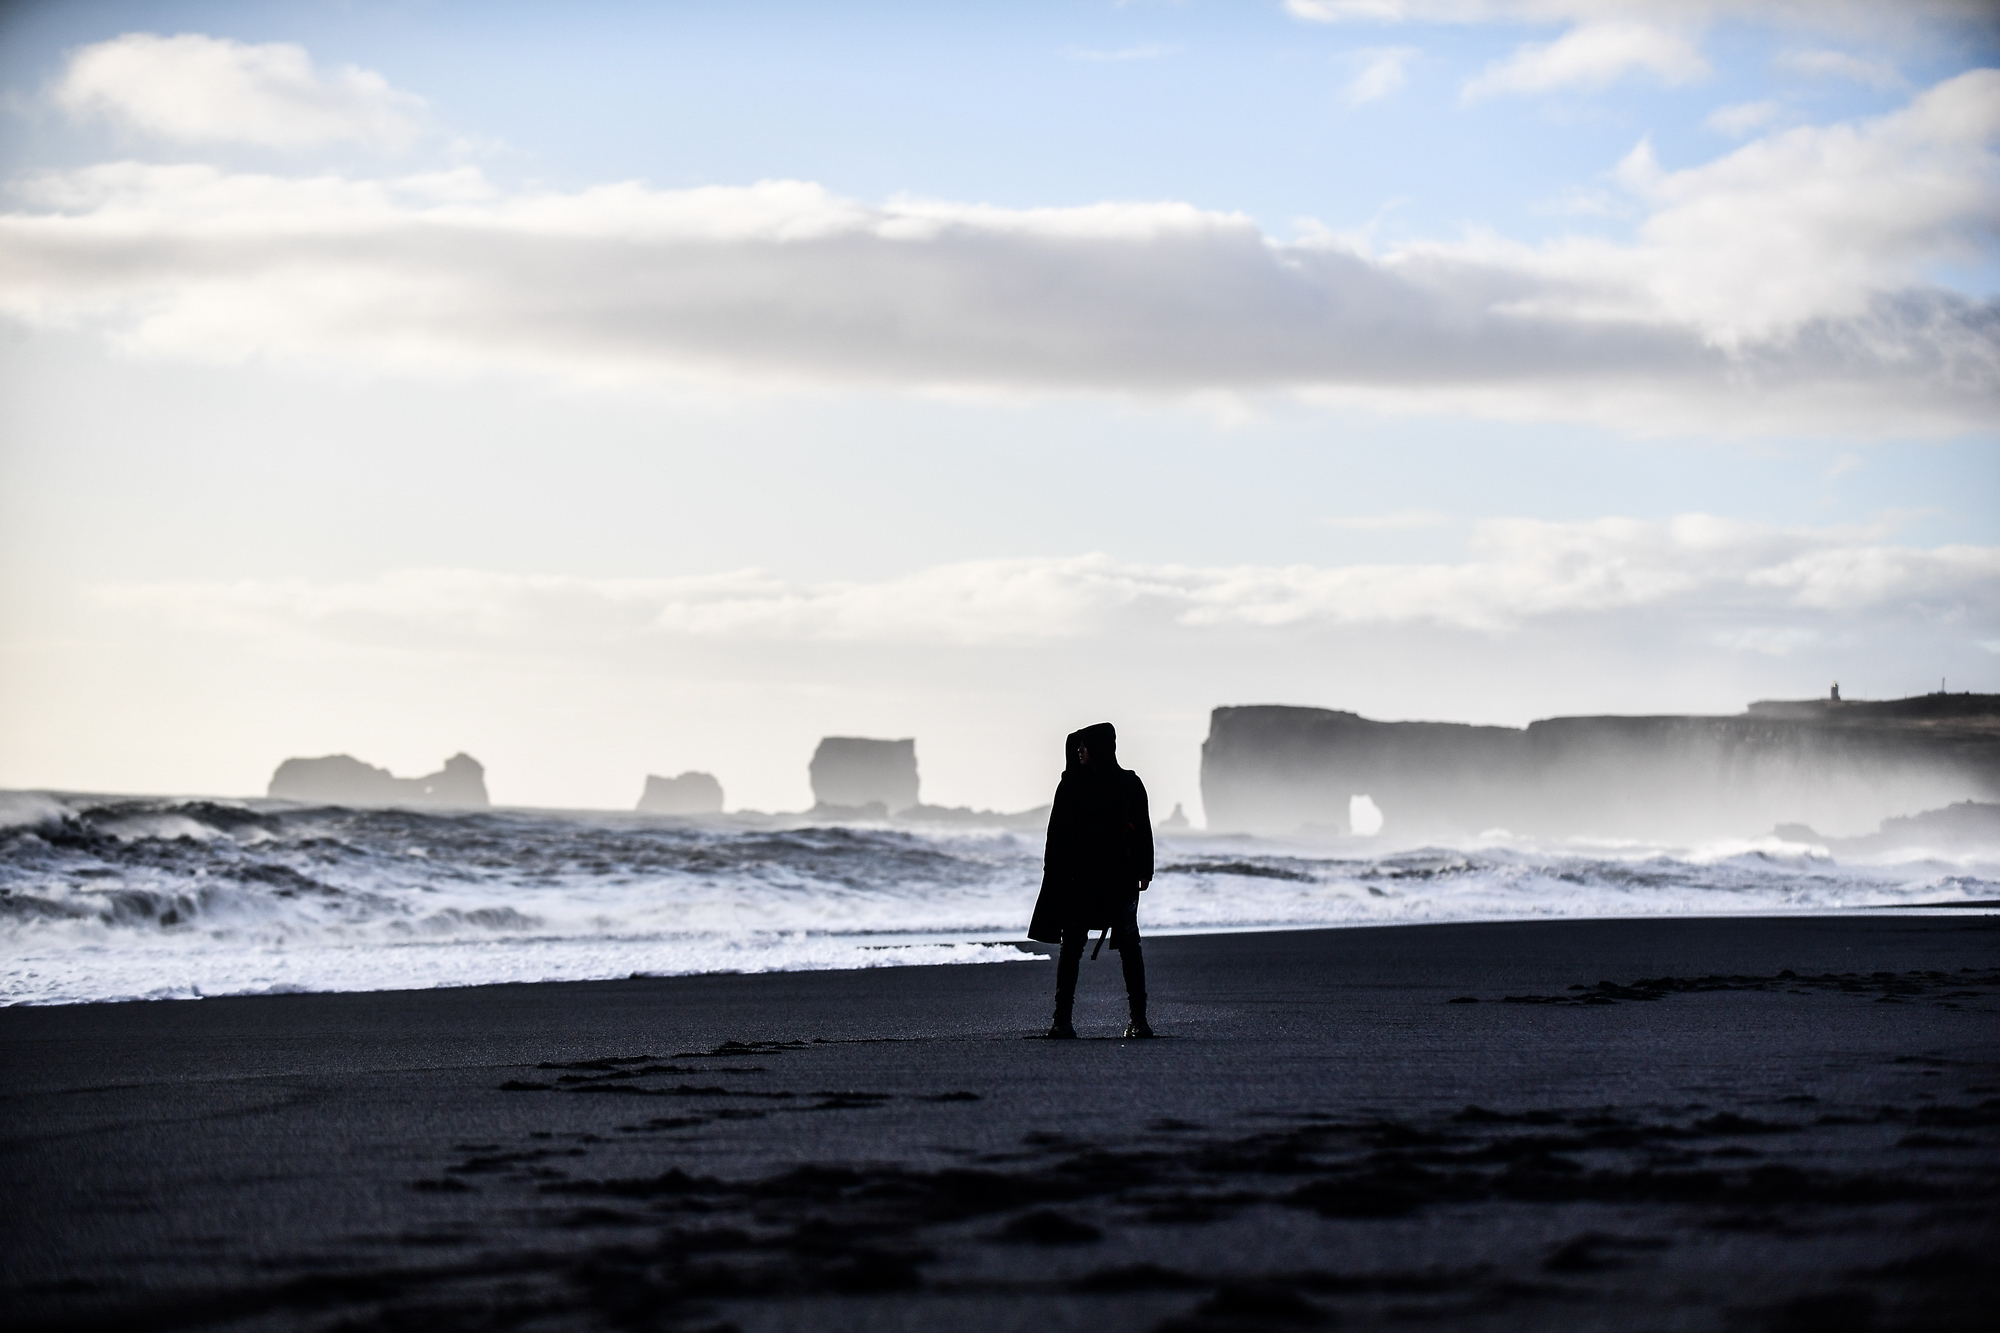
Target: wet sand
1734 1124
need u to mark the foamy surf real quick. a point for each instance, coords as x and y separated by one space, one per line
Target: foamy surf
113 899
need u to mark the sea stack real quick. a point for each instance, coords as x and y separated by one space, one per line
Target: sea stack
341 779
689 794
852 773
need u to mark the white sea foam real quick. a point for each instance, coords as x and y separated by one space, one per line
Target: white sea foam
104 899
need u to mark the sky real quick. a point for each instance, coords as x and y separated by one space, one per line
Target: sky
611 389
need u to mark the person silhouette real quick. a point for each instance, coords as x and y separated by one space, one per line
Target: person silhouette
1098 860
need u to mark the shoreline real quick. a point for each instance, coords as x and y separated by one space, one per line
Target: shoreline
1028 949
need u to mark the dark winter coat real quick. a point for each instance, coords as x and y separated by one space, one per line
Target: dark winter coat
1100 849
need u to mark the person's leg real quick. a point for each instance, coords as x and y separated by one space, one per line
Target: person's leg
1067 964
1135 978
1133 958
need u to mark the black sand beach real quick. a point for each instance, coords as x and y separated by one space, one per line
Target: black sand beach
1763 1124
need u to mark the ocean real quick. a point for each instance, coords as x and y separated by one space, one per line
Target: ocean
116 898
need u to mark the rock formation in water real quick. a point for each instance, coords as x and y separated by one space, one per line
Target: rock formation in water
1968 826
1177 822
691 793
852 772
341 779
1840 766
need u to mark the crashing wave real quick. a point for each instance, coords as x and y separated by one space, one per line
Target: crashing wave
106 898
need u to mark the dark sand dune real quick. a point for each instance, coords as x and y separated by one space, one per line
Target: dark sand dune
1776 1124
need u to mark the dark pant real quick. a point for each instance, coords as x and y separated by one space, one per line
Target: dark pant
1125 937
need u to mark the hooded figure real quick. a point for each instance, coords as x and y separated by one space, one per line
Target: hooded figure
1099 859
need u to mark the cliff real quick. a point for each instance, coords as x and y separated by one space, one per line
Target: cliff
691 793
341 779
851 772
1841 767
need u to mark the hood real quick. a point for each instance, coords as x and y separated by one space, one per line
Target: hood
1102 742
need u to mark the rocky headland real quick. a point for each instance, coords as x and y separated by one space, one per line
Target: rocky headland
1841 767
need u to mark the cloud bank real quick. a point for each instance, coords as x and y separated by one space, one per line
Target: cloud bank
1781 588
197 89
1593 55
1605 40
1781 287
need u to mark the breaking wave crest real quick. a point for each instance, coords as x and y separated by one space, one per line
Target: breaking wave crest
104 898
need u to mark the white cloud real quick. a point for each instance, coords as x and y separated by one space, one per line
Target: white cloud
1780 287
1852 578
1817 222
1787 583
197 89
1590 56
1840 65
1741 118
1380 72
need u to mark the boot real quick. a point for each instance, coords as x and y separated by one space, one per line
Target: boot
1138 1027
1062 1029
